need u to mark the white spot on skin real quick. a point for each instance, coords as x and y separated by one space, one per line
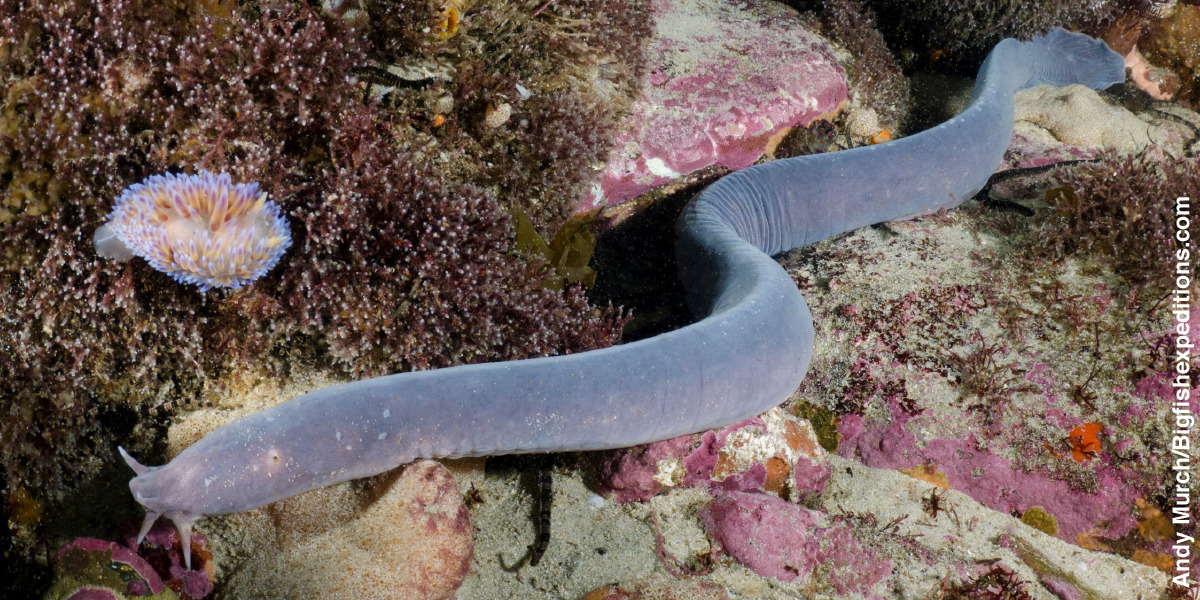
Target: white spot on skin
382 435
338 435
274 460
386 413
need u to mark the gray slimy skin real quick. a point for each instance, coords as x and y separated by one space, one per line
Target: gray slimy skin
748 353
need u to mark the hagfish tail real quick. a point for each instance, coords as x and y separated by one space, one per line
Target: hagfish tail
748 353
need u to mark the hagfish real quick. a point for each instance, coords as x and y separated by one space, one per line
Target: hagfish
749 351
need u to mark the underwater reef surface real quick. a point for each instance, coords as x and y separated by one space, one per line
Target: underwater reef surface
970 334
399 188
1012 355
727 82
1011 365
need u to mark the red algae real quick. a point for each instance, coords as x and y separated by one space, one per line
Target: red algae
399 263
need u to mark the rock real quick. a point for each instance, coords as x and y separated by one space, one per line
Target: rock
770 536
631 475
93 593
776 538
1078 116
726 81
659 587
407 535
162 548
925 548
94 569
776 452
1174 43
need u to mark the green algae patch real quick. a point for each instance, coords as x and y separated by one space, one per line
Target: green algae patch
1037 518
568 253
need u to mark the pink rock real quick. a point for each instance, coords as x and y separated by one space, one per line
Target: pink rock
163 549
993 480
190 584
809 476
630 475
735 474
847 565
771 453
771 536
1063 588
1026 153
77 556
725 78
776 538
776 453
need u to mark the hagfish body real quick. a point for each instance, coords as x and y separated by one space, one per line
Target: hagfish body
748 352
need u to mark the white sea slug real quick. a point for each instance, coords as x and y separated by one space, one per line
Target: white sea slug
201 229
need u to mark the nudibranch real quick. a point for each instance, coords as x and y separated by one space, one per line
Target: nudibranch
201 229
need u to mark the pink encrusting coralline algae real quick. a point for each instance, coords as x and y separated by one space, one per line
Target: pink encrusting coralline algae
201 229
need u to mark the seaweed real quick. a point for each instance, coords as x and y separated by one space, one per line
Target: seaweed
399 262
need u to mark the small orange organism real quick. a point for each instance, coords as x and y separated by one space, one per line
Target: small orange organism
881 137
438 120
1085 441
447 24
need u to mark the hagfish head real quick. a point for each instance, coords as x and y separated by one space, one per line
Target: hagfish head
160 491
